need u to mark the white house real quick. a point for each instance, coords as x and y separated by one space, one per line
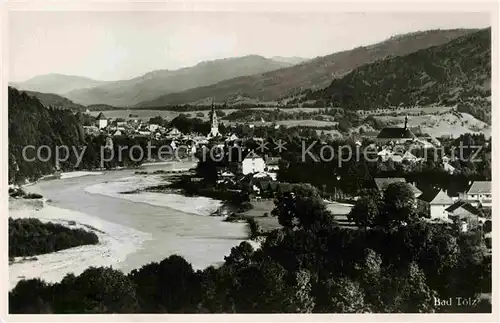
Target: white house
480 191
252 163
437 201
102 121
173 132
153 127
117 132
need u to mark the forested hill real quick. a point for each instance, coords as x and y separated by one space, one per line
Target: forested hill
458 72
30 123
56 101
316 73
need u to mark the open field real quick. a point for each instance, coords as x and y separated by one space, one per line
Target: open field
267 223
403 112
449 124
289 123
270 223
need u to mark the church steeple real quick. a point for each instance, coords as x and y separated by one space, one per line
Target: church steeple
214 123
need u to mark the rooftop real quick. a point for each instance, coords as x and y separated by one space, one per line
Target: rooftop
436 196
480 187
464 205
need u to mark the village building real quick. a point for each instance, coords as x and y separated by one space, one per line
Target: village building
480 191
436 201
408 156
117 132
272 163
395 135
252 163
153 127
102 122
465 213
173 132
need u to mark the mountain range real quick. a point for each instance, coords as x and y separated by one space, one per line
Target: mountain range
56 83
155 83
258 79
316 73
458 72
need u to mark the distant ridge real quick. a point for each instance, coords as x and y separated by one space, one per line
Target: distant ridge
290 60
56 83
313 74
55 101
153 84
454 73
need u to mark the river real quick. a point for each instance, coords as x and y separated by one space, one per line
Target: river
184 229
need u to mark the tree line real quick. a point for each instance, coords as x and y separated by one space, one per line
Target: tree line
309 266
31 237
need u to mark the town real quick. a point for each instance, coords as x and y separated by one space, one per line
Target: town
152 172
242 167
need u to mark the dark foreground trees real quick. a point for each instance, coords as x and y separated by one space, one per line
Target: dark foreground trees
310 266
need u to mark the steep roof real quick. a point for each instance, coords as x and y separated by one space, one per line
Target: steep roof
252 155
428 195
408 155
396 133
101 116
436 196
464 205
480 187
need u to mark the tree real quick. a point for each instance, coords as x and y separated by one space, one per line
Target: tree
260 288
301 300
253 228
413 294
340 295
399 205
30 296
365 212
96 290
170 286
240 255
302 207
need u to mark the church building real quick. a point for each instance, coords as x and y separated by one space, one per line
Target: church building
396 135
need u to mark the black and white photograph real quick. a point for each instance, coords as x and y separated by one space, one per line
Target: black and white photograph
265 161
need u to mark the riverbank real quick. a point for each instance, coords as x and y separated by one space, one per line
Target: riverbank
116 242
165 224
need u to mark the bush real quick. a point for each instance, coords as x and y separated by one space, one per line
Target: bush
33 196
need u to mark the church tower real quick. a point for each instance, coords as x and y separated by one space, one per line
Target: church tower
214 123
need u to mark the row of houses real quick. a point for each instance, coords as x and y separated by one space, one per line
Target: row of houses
474 205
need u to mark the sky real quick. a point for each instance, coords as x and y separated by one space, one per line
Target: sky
122 45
